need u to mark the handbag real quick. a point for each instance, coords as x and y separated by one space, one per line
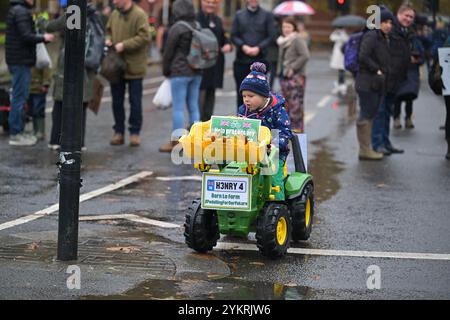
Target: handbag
113 66
43 60
95 103
409 89
163 97
435 78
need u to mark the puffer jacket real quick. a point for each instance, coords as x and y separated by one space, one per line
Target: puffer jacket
21 37
178 43
274 116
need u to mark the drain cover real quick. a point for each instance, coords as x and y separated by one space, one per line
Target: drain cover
121 256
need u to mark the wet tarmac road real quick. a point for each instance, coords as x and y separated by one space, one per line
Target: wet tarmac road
398 205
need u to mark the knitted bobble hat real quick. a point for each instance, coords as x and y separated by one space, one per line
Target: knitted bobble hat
256 81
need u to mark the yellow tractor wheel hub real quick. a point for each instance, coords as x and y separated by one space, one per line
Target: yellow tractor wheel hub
282 231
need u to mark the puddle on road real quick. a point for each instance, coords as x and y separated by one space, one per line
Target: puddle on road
325 170
225 289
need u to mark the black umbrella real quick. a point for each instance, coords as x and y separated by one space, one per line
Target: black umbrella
349 21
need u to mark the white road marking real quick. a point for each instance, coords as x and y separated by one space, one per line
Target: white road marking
107 217
153 222
115 186
221 93
309 116
131 217
20 221
341 253
324 101
84 197
195 178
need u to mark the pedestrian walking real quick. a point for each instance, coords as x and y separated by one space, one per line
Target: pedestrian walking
294 55
400 58
184 80
128 32
340 38
59 25
20 52
371 82
252 33
212 78
409 89
260 103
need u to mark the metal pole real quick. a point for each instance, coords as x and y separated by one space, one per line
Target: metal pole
72 109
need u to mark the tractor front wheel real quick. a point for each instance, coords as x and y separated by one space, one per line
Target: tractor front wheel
273 230
201 229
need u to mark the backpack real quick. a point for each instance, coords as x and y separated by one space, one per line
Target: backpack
95 42
204 47
351 52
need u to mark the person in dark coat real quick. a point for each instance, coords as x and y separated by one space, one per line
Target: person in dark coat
252 33
400 57
409 89
212 78
371 82
20 51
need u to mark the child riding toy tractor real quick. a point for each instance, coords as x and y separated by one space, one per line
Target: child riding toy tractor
238 195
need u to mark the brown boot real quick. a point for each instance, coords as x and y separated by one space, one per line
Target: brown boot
409 124
168 147
397 124
117 139
364 131
135 140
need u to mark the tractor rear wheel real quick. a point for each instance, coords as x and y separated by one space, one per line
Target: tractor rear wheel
201 228
273 230
302 211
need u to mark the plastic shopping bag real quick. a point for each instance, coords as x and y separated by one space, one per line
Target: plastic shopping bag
43 60
163 97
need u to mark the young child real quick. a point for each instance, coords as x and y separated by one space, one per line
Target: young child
260 103
40 82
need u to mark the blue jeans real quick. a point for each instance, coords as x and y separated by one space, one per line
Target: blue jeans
185 90
135 98
37 102
21 78
381 124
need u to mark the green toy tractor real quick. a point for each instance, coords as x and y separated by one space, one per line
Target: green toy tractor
237 192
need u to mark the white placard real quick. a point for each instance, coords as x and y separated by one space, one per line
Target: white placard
303 140
444 61
226 192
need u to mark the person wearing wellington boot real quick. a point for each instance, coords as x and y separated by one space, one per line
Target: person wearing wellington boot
371 82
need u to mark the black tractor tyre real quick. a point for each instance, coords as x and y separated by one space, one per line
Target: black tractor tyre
301 221
271 242
201 228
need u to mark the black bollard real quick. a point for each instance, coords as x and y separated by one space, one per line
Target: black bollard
72 109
